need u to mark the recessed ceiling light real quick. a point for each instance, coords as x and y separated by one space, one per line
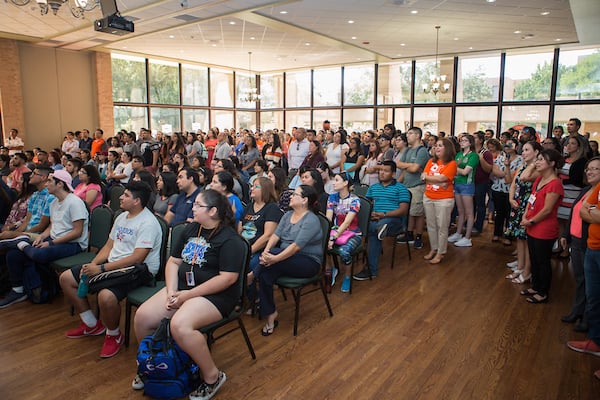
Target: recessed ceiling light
214 45
402 44
353 37
171 36
557 39
307 44
252 38
455 38
124 47
414 12
471 48
359 59
490 1
398 55
517 32
282 12
231 22
350 22
545 13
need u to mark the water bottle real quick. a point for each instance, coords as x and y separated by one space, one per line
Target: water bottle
82 290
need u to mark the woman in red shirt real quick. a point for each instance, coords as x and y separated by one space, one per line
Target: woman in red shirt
438 200
541 223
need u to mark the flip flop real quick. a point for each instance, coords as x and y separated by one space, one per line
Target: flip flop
528 292
268 330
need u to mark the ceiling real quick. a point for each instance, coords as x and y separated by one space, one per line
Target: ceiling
290 34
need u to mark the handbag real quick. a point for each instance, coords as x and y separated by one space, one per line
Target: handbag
166 370
135 275
343 238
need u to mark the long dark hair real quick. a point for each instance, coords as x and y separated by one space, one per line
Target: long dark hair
212 198
169 184
226 180
317 178
280 179
311 195
92 173
147 177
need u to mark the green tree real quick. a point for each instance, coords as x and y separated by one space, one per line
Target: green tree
129 81
581 80
537 87
475 88
362 91
164 84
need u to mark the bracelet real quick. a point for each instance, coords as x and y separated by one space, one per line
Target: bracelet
50 242
102 269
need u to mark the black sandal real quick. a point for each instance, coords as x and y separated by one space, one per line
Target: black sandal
534 300
528 292
268 330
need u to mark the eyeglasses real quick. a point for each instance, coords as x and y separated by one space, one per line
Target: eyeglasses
297 194
257 187
200 205
591 169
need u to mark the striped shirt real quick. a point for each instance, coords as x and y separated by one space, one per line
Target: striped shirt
388 198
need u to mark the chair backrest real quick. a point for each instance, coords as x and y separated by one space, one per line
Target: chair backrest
164 227
364 215
115 192
243 275
176 232
360 190
326 229
101 221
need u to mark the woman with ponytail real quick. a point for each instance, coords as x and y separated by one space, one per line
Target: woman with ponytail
294 250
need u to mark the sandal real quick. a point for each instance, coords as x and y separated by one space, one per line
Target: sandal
506 242
431 254
437 259
528 292
537 300
268 330
515 274
521 279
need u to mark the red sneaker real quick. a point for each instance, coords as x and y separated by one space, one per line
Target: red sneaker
84 330
112 345
585 346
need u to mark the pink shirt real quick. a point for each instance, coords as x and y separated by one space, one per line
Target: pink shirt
82 189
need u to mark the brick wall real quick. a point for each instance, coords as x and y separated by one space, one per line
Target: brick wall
104 93
11 97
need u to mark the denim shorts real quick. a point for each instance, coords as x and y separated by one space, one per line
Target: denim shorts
464 189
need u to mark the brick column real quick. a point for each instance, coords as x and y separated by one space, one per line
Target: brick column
106 117
11 96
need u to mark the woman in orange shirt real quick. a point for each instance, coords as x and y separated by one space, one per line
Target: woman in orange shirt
438 200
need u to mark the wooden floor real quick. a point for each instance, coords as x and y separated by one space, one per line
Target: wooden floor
457 330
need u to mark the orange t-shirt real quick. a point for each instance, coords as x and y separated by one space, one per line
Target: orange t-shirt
438 192
97 145
593 241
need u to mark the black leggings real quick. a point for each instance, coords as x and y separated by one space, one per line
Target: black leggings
502 207
540 251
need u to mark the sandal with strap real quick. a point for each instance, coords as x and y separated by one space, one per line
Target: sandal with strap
515 274
521 279
268 329
528 292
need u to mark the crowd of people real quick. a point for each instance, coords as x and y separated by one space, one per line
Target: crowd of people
266 187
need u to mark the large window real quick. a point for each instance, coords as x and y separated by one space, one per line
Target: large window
359 85
327 88
221 88
519 116
195 119
479 79
128 79
166 120
528 76
194 85
426 73
393 85
472 119
358 119
401 119
271 120
164 82
297 89
221 119
130 118
433 119
271 89
246 120
579 75
332 116
589 114
296 118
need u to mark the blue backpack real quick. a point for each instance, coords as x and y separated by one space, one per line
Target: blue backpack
166 370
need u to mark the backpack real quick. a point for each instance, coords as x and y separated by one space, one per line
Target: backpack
40 283
166 370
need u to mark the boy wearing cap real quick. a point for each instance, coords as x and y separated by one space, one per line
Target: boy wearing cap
65 236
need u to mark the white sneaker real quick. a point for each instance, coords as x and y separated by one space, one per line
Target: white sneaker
513 264
137 383
455 237
464 242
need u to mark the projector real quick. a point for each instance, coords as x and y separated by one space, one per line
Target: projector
114 24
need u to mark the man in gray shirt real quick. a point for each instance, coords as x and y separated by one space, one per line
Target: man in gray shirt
412 164
222 149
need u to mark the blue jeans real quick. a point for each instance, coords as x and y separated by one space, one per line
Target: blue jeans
395 226
18 261
479 205
345 250
591 268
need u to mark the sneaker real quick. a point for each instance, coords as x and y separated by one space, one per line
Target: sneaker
346 284
11 298
455 237
137 383
463 242
585 346
23 243
334 273
382 232
418 243
12 243
112 345
363 275
84 330
513 264
206 391
404 237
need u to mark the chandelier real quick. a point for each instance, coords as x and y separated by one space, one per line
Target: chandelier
77 7
437 82
250 94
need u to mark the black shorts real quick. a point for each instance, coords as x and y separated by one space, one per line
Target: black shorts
120 291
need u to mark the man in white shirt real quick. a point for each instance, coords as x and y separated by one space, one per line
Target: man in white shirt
14 143
297 151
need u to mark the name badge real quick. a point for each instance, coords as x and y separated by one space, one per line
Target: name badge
531 199
189 278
